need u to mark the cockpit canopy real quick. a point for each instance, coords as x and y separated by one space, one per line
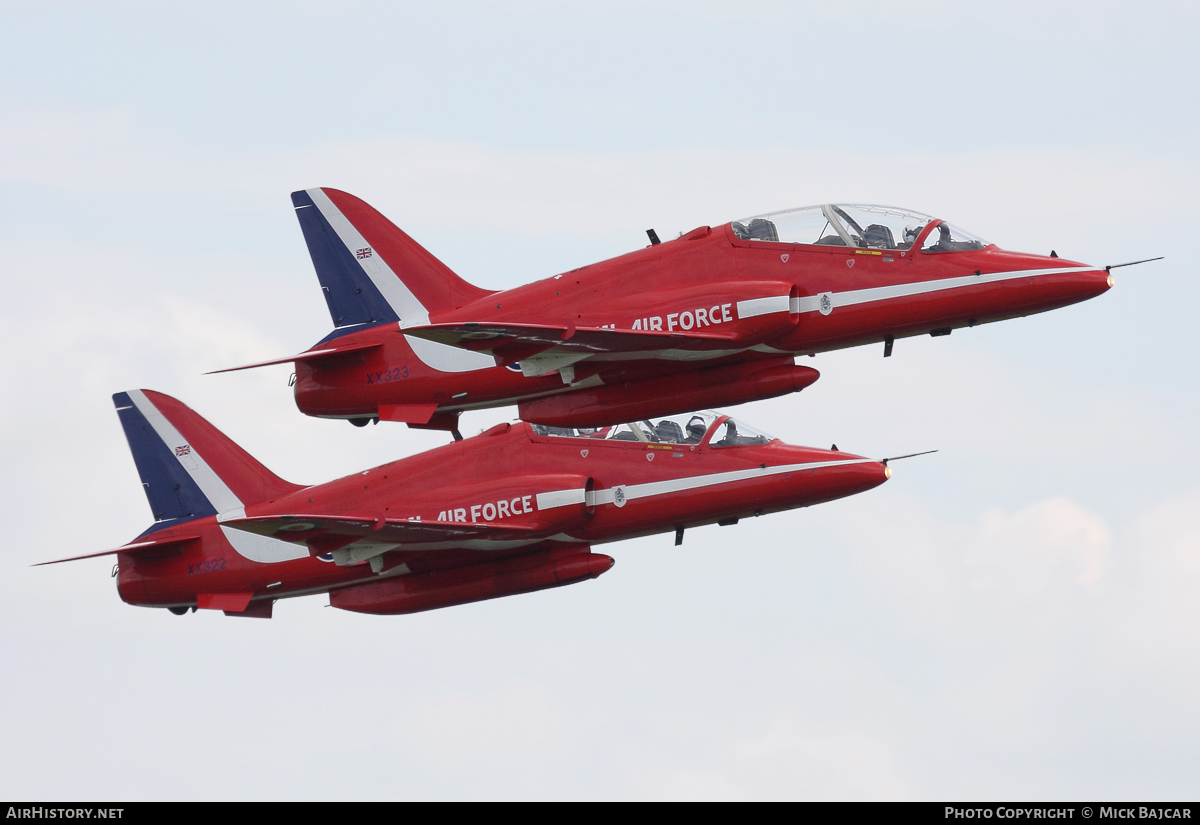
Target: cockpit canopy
687 428
864 226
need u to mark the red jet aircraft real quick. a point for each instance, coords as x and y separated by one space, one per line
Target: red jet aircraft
712 318
513 510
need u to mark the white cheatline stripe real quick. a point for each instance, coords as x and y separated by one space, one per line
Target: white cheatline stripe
411 311
562 498
763 306
214 489
812 303
658 488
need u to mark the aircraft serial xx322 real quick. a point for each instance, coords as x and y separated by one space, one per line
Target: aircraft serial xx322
712 318
512 510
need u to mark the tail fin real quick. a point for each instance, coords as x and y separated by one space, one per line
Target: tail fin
188 467
370 271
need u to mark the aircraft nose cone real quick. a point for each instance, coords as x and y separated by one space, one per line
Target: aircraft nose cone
1052 289
865 475
1085 285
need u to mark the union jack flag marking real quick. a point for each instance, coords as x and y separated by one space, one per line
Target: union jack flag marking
184 450
365 252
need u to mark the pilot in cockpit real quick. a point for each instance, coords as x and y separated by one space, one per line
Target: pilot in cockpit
886 227
761 229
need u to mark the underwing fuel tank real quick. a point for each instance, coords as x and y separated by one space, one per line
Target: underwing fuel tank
669 395
479 582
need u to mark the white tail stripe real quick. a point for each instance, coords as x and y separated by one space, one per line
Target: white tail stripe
262 549
763 306
812 303
411 311
445 358
214 489
658 488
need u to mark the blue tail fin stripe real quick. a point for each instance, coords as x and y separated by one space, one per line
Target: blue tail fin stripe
170 490
411 311
358 290
351 297
181 485
185 457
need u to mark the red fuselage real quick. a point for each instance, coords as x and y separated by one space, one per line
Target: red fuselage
839 297
535 505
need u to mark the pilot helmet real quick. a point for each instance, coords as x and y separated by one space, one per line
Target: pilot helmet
696 428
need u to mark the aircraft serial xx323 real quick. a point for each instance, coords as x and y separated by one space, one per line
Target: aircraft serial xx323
512 510
712 318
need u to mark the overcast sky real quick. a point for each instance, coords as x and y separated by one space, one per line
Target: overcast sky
1015 617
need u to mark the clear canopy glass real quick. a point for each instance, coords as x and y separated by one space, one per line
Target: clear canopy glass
733 433
864 226
686 428
947 237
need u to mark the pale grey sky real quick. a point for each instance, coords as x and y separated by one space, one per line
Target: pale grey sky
1015 617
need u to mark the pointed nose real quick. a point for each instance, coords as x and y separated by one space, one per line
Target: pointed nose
1085 285
858 477
1091 284
1060 287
